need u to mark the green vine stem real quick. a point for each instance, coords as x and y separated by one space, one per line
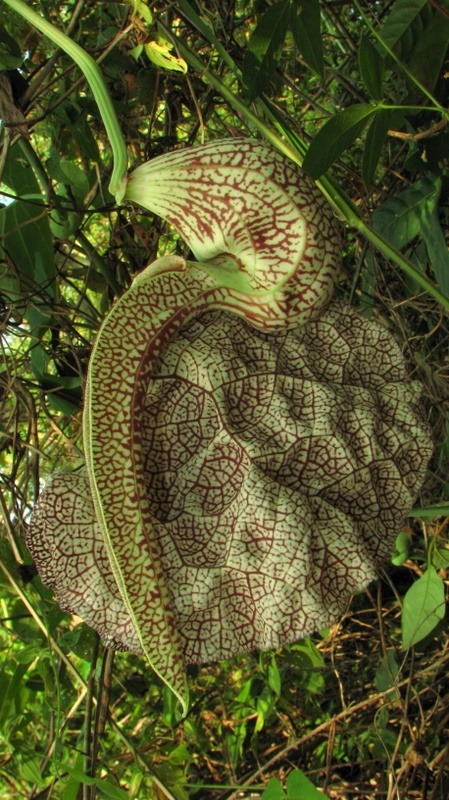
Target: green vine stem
95 80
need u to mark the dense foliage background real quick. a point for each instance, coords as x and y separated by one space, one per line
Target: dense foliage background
361 709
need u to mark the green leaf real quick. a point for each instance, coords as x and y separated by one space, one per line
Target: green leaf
402 549
435 240
9 694
10 55
264 45
387 673
300 788
306 29
414 211
27 244
158 51
375 139
274 677
372 68
335 137
440 558
423 608
399 20
110 790
399 218
273 790
430 512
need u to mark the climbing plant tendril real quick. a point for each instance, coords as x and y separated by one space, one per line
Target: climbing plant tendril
251 446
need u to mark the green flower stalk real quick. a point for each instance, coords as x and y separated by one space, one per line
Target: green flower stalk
95 80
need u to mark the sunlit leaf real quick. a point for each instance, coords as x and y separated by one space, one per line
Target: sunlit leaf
423 608
299 787
159 52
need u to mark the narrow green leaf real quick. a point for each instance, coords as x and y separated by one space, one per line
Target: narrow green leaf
399 20
430 512
110 790
335 137
375 139
423 608
9 695
274 677
300 788
305 24
259 62
372 68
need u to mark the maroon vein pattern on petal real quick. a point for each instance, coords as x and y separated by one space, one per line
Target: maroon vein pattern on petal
255 220
66 543
279 468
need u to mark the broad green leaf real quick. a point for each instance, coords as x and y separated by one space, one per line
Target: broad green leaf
335 137
273 790
415 211
399 20
426 60
159 52
398 219
263 48
423 608
440 558
305 24
372 68
299 787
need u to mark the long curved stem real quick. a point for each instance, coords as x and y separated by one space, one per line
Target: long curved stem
95 80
